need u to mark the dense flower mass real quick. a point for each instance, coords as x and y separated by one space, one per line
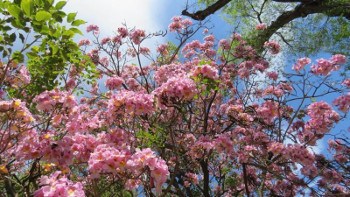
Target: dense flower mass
58 185
179 24
175 89
198 119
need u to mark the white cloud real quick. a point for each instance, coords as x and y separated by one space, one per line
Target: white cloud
110 14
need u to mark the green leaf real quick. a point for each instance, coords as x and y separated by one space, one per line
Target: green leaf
78 22
21 37
76 30
14 10
42 16
71 17
26 6
18 56
13 37
60 5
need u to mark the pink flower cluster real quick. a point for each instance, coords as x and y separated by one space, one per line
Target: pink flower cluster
268 111
237 112
342 151
24 75
94 28
343 102
176 89
301 63
114 82
338 59
137 36
225 44
29 147
123 32
273 47
278 90
108 159
322 117
224 144
163 49
178 24
261 26
174 70
158 167
136 103
105 40
201 147
59 185
47 100
206 71
276 148
272 75
16 110
300 154
84 42
324 67
346 83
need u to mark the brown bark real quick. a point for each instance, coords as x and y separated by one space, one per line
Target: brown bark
202 14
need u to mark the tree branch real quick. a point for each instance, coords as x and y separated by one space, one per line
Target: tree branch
329 8
202 14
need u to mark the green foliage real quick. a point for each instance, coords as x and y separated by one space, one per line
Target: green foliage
305 36
103 187
47 46
151 138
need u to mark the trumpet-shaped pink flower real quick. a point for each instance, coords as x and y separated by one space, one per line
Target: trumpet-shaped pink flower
58 184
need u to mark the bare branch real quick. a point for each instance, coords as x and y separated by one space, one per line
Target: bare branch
202 14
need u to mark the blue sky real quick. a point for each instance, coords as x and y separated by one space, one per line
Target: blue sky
151 15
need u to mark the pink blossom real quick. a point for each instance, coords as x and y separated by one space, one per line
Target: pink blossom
178 24
343 102
224 44
273 47
176 89
93 28
114 82
322 117
206 71
134 103
276 148
58 185
137 36
301 64
123 32
107 159
84 42
346 83
105 40
163 49
324 67
272 75
117 40
338 59
24 75
261 26
144 50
